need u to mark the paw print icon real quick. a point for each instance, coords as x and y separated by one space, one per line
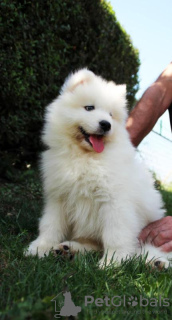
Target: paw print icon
132 301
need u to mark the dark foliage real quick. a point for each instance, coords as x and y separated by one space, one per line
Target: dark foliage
41 42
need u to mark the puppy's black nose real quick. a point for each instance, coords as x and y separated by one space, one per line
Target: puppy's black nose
105 125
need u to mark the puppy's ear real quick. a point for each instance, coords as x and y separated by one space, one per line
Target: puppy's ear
122 90
117 95
78 78
119 88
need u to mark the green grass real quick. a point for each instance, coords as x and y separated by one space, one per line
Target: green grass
28 284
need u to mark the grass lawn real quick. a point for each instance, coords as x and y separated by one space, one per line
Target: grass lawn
28 284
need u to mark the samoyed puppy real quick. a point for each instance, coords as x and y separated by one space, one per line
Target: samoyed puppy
97 195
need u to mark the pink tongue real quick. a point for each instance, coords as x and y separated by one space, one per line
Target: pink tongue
97 143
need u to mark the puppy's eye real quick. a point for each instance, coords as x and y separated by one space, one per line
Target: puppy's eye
89 108
110 114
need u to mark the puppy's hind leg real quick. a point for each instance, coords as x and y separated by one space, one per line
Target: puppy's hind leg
155 257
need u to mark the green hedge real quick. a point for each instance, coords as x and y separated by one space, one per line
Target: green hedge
41 42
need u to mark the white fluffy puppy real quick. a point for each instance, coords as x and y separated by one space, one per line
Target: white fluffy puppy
97 196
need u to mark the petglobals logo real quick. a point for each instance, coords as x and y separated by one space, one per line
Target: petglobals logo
68 307
118 301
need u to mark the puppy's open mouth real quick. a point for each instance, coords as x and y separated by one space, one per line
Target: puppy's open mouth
95 140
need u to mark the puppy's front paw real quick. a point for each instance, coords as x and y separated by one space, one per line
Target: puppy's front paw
40 248
64 249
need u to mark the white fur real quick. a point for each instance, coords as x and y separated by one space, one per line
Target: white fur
106 197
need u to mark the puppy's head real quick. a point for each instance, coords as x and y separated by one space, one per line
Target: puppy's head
87 112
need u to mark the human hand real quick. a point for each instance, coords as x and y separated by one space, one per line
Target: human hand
159 233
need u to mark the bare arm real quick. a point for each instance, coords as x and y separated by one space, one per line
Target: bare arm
154 102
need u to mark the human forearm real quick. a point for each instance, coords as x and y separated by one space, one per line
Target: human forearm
154 102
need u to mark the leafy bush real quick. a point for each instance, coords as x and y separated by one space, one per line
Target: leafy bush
42 41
